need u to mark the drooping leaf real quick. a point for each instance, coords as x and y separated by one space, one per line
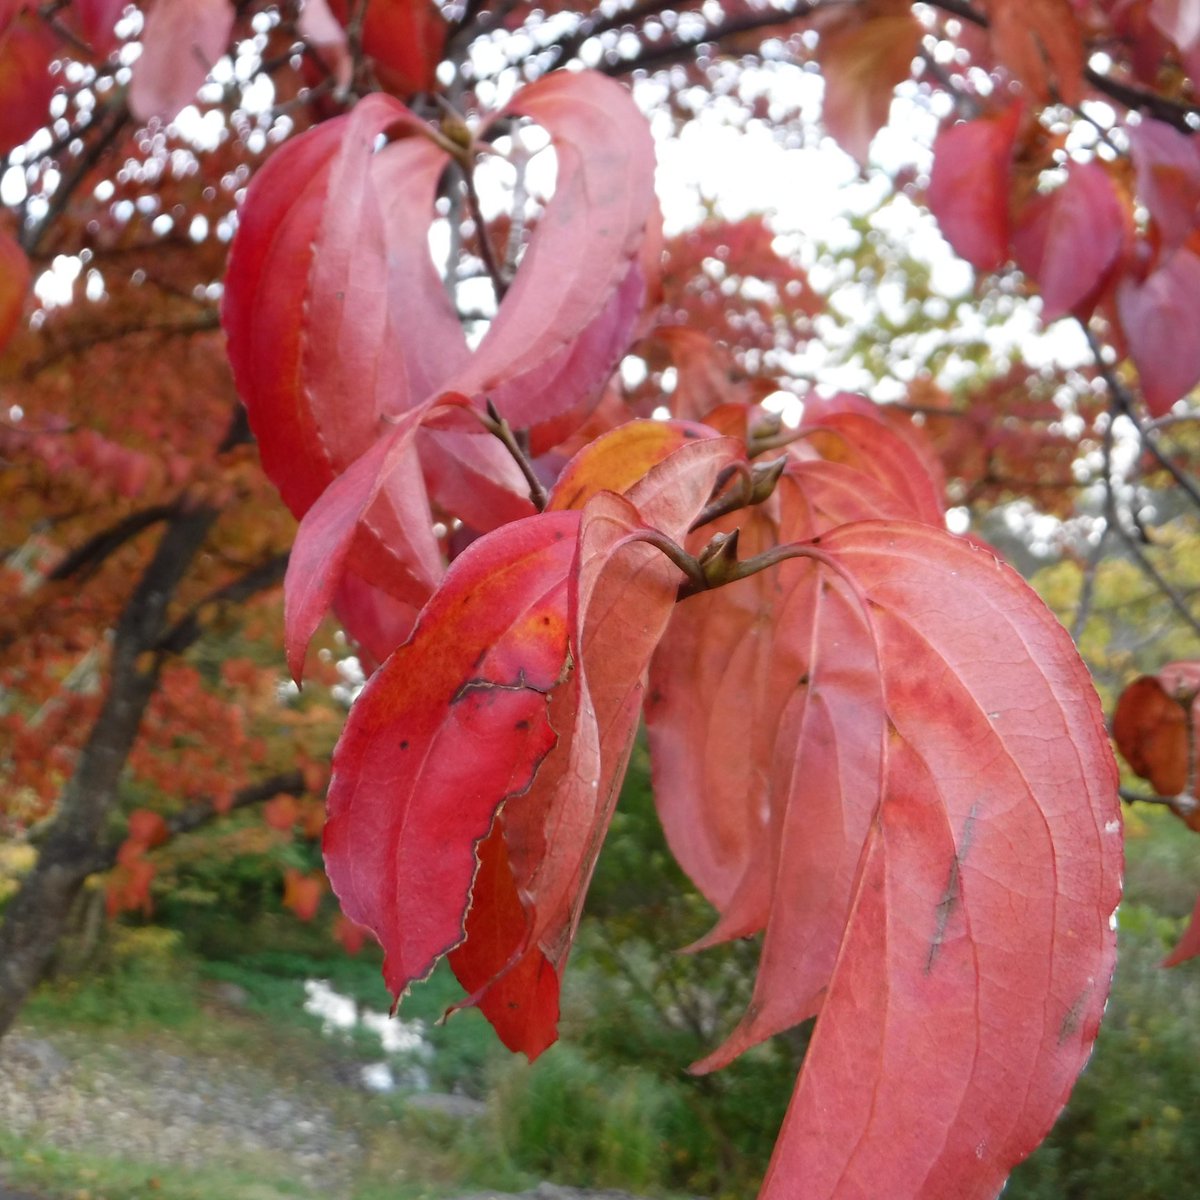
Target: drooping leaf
864 57
1157 315
969 186
451 726
1041 43
323 338
181 42
571 310
1167 163
622 594
1069 240
979 947
373 521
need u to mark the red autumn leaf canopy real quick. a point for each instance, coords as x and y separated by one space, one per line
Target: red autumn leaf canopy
870 740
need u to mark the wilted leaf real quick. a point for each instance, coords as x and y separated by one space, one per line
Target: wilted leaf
373 521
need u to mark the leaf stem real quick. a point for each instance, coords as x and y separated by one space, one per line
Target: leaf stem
499 427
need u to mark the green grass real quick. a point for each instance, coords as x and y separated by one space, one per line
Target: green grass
28 1163
612 1106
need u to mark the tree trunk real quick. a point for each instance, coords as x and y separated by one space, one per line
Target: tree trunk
37 915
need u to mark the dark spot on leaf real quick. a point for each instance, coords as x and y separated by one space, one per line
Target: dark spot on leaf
803 681
690 433
404 744
521 725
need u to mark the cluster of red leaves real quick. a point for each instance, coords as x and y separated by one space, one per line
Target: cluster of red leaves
128 887
1007 438
1080 242
882 752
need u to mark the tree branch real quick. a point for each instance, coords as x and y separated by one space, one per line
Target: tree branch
202 812
190 626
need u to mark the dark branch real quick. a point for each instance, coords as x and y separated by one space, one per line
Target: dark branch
190 626
202 812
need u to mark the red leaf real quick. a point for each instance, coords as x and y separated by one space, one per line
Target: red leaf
622 594
147 828
867 445
573 305
320 28
350 935
1188 945
1157 318
863 58
27 47
14 285
181 42
969 184
377 622
452 725
281 812
1041 43
302 893
1069 241
405 38
1168 177
976 959
374 521
515 990
317 357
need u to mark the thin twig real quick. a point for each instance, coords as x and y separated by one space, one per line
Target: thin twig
498 426
486 250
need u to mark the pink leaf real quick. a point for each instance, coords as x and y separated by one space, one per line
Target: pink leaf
1157 317
373 520
181 43
969 185
576 297
1168 177
977 956
1069 241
